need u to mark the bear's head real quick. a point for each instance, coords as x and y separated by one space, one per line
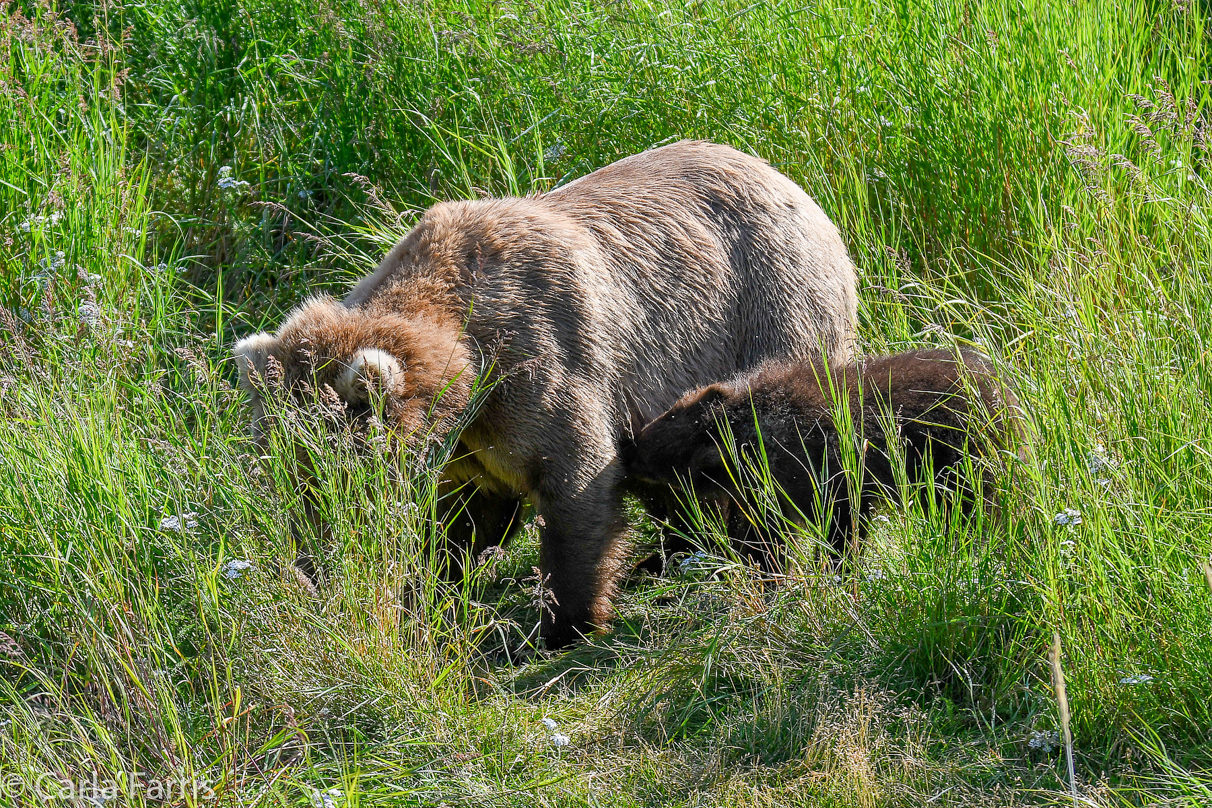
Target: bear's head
414 372
682 446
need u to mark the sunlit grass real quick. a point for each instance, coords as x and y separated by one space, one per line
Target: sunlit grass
999 185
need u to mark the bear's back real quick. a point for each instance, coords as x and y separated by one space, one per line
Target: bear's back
662 272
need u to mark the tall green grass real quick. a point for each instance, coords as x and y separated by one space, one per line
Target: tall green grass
1030 178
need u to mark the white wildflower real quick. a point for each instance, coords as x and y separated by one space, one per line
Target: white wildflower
327 799
1136 679
1069 517
557 738
179 524
90 313
884 122
1099 463
693 562
235 569
877 574
1046 740
229 183
554 152
49 267
38 220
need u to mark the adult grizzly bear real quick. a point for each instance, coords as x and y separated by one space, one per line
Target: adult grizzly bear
616 292
783 420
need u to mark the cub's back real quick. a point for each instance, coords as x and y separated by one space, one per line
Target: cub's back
911 382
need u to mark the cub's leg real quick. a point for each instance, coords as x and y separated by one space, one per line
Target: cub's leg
663 506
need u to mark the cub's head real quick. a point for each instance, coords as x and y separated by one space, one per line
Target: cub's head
682 445
413 372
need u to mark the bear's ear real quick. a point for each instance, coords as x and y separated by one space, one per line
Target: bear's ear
370 369
252 355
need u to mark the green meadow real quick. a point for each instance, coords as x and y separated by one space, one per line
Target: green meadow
1030 178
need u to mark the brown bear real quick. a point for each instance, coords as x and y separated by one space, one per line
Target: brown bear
789 422
616 292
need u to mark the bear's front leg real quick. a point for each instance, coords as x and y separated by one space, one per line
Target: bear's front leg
582 556
476 519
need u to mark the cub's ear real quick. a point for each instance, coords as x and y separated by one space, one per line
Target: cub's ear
369 369
707 397
252 355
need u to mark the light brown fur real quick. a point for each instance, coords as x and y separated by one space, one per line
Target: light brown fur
609 296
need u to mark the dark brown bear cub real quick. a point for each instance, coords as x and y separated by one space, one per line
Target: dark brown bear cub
789 421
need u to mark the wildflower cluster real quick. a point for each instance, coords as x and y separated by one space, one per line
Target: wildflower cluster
1100 465
38 221
332 798
695 562
179 523
1047 741
1069 517
1136 679
558 739
235 569
229 183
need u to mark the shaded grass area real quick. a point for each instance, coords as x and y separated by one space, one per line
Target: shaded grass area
1028 178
